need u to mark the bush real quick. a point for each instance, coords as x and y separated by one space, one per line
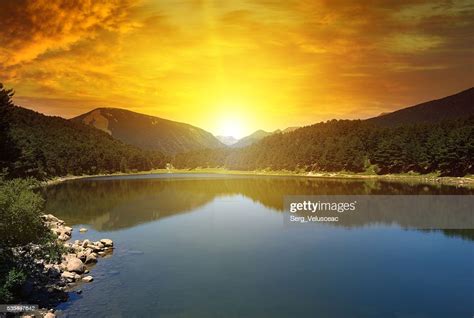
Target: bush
20 214
23 236
10 289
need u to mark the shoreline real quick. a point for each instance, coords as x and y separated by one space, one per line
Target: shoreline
52 281
466 181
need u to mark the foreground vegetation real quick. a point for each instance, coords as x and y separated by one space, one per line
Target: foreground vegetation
23 236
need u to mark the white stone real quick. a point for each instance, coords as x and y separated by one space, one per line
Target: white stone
107 242
68 275
88 279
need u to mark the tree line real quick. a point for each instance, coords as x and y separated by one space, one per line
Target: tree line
445 147
32 144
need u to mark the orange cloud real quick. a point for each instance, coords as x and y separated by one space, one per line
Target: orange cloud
271 63
32 28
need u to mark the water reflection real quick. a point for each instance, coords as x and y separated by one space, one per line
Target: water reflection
122 202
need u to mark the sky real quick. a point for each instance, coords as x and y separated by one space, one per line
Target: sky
232 67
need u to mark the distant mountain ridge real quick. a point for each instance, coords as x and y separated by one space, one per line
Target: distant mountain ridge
460 105
252 138
227 140
259 135
149 132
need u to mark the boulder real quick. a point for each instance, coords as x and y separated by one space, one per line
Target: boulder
82 256
50 218
63 237
85 243
74 264
67 230
82 230
88 279
94 248
91 258
68 275
50 315
107 242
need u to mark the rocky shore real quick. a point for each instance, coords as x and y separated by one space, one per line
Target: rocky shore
50 282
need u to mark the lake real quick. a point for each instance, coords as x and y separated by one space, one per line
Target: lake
217 246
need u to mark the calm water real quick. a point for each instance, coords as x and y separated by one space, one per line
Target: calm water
216 246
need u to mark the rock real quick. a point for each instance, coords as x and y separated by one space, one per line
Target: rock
91 258
63 237
79 291
88 279
67 230
49 218
82 256
75 265
50 315
86 271
82 230
107 242
85 243
53 272
77 277
94 248
68 275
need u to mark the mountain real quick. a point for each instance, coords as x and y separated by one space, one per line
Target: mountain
42 146
289 129
460 105
227 140
149 132
434 137
252 138
259 135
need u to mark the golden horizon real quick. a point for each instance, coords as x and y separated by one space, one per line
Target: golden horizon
235 67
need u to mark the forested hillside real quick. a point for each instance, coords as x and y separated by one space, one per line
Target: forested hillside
149 132
353 145
460 105
36 145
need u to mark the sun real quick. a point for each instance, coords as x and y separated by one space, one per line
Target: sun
232 116
230 126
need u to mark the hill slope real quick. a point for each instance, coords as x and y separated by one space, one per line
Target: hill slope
252 138
149 132
43 146
259 135
460 105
